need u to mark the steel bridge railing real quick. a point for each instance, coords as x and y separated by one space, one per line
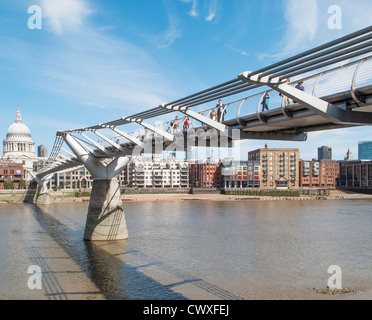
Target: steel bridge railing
348 77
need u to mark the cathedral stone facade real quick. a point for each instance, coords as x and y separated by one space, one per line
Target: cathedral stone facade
18 146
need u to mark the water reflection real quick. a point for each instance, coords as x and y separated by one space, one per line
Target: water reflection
188 250
102 264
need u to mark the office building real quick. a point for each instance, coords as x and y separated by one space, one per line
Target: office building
42 152
365 150
324 153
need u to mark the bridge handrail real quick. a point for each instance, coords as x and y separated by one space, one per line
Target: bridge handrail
357 44
140 133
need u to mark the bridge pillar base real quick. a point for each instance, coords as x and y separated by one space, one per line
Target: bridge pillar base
105 220
42 195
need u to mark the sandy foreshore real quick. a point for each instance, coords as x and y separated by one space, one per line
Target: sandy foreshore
335 195
169 197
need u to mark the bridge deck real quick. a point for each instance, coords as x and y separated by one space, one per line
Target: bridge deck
337 96
300 118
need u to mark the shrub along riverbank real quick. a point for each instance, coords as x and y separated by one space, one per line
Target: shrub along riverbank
277 193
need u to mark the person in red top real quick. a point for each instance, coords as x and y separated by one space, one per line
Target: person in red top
186 124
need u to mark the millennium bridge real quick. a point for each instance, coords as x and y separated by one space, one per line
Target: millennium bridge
337 80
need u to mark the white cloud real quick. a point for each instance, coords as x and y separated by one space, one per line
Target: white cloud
193 11
64 15
302 25
209 10
106 28
242 53
170 35
105 72
212 9
92 70
307 24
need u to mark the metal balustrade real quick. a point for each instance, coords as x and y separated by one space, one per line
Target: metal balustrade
342 72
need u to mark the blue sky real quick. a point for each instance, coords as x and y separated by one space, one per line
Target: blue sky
94 61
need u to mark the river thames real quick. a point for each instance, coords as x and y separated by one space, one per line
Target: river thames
195 250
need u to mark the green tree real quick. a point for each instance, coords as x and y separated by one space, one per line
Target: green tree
22 184
8 185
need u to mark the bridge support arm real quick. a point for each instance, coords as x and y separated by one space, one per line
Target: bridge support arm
203 119
105 220
167 136
327 110
127 136
41 196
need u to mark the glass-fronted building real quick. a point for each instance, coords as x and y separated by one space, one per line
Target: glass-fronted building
365 150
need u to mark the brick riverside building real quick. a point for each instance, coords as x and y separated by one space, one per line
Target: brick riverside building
320 174
11 172
205 175
279 168
356 175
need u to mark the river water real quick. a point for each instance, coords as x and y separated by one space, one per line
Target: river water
190 250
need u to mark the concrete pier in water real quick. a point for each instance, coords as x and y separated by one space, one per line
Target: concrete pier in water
105 220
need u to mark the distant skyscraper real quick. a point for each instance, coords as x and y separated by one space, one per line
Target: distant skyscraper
365 150
42 152
324 153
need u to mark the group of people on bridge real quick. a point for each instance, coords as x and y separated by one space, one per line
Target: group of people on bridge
286 100
219 116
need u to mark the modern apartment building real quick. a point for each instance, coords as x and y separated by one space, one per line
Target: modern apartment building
234 174
278 168
138 174
253 174
156 174
321 174
77 179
